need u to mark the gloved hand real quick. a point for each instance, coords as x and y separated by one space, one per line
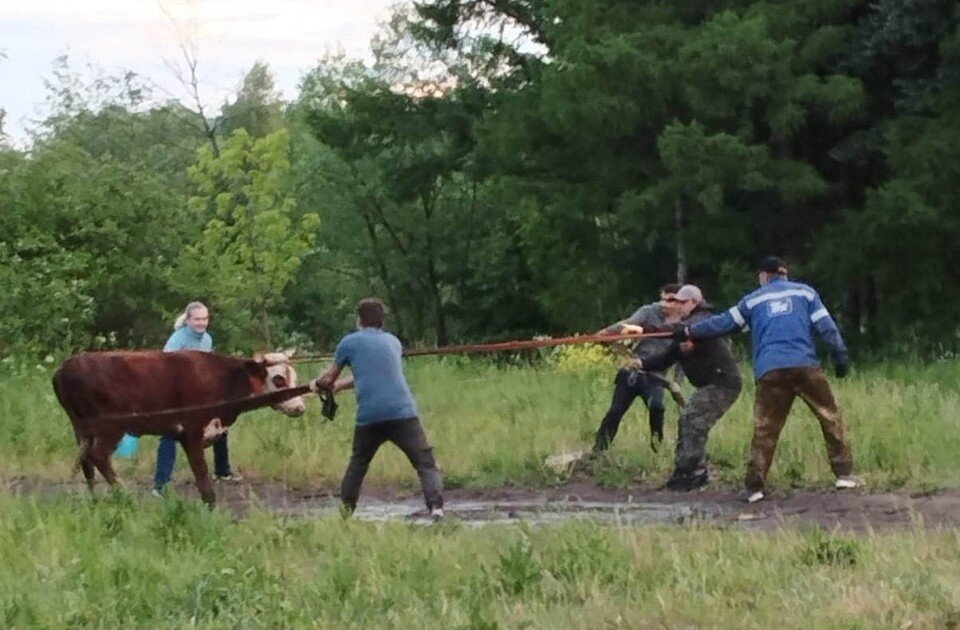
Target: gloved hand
318 385
842 368
681 334
329 408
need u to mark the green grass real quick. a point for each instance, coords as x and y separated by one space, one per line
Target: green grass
492 426
73 562
116 561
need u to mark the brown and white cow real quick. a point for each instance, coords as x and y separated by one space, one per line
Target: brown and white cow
94 388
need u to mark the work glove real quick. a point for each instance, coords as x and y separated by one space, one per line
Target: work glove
841 368
329 408
681 334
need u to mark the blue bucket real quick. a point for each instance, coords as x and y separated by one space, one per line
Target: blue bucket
128 446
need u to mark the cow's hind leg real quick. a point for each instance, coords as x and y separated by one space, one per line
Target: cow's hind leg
193 445
101 454
84 463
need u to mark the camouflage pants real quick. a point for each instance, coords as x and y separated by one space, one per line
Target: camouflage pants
776 391
705 407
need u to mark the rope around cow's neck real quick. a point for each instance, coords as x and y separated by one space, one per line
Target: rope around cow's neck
158 422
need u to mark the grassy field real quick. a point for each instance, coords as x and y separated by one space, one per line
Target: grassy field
493 426
69 561
72 562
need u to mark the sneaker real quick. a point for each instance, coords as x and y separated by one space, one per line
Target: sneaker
847 482
231 478
157 494
436 514
751 496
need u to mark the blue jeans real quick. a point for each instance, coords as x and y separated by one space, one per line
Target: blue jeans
167 457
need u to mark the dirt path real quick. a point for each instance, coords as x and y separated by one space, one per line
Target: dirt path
857 511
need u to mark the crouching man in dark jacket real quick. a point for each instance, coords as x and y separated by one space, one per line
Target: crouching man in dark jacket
712 369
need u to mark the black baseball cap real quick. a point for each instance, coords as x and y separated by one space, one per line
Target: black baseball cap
773 264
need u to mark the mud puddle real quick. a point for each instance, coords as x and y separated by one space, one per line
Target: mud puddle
581 500
478 513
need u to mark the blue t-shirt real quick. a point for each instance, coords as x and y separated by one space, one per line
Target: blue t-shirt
374 357
187 338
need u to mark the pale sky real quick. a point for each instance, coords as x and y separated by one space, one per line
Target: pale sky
290 35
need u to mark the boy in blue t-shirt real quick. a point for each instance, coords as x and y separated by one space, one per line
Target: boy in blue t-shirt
386 410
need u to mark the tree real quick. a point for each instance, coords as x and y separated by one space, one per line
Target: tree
257 107
251 245
401 146
3 112
47 302
905 264
707 132
94 212
185 69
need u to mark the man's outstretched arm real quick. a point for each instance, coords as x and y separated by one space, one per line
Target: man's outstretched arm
326 380
828 331
720 324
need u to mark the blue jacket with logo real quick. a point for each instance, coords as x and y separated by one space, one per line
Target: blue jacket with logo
781 316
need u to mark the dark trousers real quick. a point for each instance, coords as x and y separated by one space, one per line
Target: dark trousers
776 391
167 457
625 391
410 438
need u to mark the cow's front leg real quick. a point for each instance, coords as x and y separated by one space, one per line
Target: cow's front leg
193 445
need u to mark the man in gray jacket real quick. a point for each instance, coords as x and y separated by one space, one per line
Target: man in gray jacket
631 384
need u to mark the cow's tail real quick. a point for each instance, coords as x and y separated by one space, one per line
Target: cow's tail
85 443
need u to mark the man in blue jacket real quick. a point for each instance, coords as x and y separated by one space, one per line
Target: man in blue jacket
782 317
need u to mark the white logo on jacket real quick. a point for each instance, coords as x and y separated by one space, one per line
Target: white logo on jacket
775 308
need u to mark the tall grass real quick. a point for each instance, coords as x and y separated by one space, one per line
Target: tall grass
111 563
495 425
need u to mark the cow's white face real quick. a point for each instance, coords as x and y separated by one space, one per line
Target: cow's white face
281 375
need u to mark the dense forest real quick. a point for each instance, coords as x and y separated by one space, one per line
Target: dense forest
502 168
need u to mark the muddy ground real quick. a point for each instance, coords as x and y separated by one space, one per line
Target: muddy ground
851 510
